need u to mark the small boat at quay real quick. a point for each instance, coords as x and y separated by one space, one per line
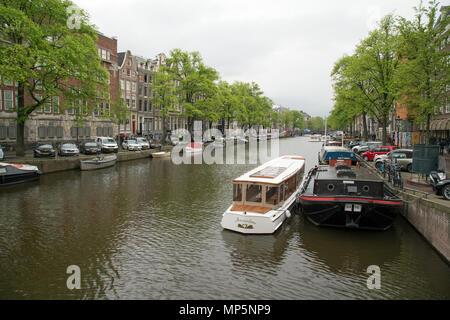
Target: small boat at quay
194 147
328 153
11 173
316 138
264 197
160 154
98 163
347 197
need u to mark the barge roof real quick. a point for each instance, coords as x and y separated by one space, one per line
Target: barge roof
335 173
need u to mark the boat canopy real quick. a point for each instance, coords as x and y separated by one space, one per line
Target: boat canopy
273 172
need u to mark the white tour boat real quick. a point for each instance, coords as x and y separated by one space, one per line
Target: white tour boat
264 197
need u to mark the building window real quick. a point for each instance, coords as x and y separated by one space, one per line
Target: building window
128 85
56 104
1 100
145 91
107 109
140 105
122 84
133 86
145 105
8 99
48 106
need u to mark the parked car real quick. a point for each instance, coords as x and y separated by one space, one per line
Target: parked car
145 145
2 154
154 144
131 145
366 146
89 147
44 150
369 155
403 159
379 159
440 184
68 149
107 144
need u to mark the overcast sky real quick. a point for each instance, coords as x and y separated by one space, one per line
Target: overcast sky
288 47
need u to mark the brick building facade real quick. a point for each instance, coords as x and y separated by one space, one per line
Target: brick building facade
53 123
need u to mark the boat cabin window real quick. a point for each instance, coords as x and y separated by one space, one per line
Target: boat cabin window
254 193
272 195
237 192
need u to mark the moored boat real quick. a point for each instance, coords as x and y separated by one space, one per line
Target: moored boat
264 197
98 163
329 153
348 197
11 173
160 154
194 147
315 138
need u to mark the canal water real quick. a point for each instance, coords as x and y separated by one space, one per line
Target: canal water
149 229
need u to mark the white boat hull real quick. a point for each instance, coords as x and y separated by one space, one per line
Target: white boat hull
258 223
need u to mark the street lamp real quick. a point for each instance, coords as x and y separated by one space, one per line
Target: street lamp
397 125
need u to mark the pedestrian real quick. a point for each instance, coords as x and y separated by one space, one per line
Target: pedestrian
442 144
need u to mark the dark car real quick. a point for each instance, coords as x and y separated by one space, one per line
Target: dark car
45 150
154 144
89 147
440 184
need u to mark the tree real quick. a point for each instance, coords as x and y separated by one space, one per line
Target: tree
366 79
42 54
164 97
195 82
423 76
119 112
298 121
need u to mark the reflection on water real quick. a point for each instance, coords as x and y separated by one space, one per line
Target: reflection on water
149 229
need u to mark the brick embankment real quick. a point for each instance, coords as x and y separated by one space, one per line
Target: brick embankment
428 213
49 165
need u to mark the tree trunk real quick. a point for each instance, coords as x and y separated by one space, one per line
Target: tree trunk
20 121
384 130
365 131
164 130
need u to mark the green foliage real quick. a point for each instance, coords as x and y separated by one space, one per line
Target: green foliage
41 54
423 77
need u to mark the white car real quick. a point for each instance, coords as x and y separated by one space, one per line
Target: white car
380 157
131 145
107 144
143 143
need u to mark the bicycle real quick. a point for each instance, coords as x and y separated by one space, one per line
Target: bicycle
397 180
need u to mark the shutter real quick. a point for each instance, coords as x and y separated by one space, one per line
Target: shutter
73 132
99 132
110 131
12 132
59 132
51 132
42 132
2 132
26 132
88 132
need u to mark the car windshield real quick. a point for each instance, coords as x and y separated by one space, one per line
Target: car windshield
90 144
110 140
141 140
69 145
46 146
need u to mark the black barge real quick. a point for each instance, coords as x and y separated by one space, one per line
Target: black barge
347 197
